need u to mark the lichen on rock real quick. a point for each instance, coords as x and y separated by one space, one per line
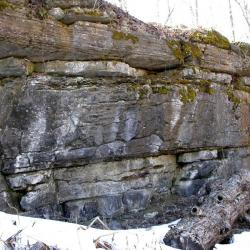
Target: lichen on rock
187 94
119 35
212 37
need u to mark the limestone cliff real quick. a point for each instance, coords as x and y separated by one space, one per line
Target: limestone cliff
104 115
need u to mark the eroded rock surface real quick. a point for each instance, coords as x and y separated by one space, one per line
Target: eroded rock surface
107 120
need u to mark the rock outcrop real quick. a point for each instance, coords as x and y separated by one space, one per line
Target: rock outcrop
104 115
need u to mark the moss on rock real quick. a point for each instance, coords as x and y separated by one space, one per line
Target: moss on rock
160 90
238 85
233 98
205 87
175 46
93 12
187 94
5 5
210 37
244 48
119 36
182 50
189 49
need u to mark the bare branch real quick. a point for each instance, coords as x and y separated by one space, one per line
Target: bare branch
245 12
170 12
231 18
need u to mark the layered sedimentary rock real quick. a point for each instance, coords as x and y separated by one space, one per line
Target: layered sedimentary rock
107 119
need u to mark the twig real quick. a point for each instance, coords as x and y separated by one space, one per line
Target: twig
97 219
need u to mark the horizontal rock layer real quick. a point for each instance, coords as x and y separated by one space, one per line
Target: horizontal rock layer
83 41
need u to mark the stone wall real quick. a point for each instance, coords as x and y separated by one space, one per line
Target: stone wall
102 115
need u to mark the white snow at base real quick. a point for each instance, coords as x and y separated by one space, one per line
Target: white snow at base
71 236
239 242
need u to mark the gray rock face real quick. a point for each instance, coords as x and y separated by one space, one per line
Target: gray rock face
197 156
15 67
6 202
113 122
88 69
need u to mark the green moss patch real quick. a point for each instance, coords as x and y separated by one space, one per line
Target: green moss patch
119 36
205 87
182 50
188 94
210 37
5 5
175 46
233 98
189 49
238 85
93 12
244 48
160 90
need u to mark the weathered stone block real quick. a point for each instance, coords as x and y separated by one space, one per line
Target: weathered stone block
15 67
112 178
234 153
89 69
199 170
136 200
42 196
88 15
245 80
110 206
56 13
81 41
197 74
197 156
81 210
24 180
219 60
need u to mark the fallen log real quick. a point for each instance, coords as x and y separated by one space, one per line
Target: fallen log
221 204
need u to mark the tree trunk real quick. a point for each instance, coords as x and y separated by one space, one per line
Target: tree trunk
222 203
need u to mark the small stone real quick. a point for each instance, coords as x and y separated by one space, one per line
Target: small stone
245 80
57 13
